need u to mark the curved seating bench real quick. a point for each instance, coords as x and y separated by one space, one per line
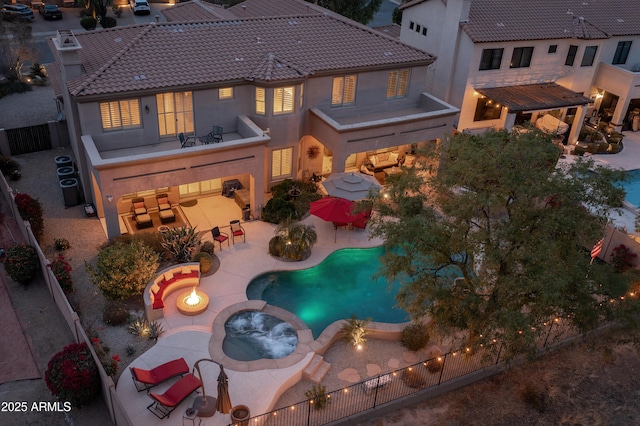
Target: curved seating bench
167 281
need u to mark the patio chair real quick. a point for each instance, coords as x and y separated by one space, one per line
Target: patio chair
237 230
138 207
186 141
163 202
219 236
164 404
213 136
146 379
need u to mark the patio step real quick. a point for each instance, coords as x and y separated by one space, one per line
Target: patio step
317 368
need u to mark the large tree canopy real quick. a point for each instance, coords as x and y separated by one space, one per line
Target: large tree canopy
512 226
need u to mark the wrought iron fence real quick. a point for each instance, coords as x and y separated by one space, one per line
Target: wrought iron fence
24 140
384 388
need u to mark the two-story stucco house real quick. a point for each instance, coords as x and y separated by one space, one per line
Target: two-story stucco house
278 76
508 61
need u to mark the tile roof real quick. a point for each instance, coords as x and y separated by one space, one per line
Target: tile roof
392 30
534 97
180 54
514 20
196 10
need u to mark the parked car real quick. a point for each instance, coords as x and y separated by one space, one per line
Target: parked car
50 11
140 7
16 11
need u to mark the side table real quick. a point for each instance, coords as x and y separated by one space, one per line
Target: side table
190 418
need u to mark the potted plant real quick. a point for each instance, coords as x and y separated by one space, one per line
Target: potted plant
240 415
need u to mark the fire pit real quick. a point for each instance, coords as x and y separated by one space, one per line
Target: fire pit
193 302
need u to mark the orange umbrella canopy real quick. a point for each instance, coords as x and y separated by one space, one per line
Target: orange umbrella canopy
333 209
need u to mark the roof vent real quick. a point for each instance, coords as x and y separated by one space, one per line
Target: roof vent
118 40
65 39
239 59
139 77
293 23
581 19
388 53
620 20
500 24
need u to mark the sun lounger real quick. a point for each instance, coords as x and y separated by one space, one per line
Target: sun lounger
163 405
146 379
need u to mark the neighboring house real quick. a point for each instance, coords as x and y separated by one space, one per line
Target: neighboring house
508 61
277 85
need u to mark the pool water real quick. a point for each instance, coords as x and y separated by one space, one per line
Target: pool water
339 287
632 187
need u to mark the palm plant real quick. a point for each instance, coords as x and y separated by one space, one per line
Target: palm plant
181 242
296 239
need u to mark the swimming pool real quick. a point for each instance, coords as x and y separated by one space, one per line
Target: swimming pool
339 287
632 187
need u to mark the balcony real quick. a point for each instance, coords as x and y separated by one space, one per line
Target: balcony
391 124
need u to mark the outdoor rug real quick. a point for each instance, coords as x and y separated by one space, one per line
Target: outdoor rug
16 360
155 218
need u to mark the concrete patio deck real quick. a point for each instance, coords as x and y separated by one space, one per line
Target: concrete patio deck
189 336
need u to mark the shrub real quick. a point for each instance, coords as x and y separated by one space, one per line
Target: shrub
38 71
278 210
109 363
208 247
115 314
354 331
206 261
434 365
123 270
61 244
415 336
181 242
140 326
293 240
534 396
62 271
622 258
108 22
10 168
317 396
88 23
72 375
414 377
21 263
30 210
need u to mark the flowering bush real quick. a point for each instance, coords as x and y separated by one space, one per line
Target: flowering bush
72 375
21 263
110 364
30 210
62 270
622 257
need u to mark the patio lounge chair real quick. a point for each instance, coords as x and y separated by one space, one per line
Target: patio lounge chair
163 405
237 230
214 136
219 236
146 379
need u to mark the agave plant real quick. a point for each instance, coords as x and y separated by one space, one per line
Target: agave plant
181 242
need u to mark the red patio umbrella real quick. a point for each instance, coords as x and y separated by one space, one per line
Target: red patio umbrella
336 210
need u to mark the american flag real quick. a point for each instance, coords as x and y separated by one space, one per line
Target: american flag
595 251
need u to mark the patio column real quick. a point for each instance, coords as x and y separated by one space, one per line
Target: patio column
577 124
618 115
510 120
111 217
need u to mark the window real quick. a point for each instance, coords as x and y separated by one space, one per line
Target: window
118 115
521 57
397 84
209 186
260 100
418 27
622 51
424 31
283 99
344 90
553 48
411 25
571 55
225 93
491 59
486 109
589 56
281 163
175 113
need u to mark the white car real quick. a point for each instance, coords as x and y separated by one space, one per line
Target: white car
140 7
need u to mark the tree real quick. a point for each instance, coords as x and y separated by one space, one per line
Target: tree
359 10
98 8
293 240
397 13
123 270
16 47
503 249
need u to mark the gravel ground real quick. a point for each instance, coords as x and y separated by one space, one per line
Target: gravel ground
29 108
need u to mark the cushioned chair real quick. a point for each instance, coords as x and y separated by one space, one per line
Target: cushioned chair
219 236
146 379
164 404
163 202
138 207
237 230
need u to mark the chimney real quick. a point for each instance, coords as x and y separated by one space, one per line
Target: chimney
68 47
